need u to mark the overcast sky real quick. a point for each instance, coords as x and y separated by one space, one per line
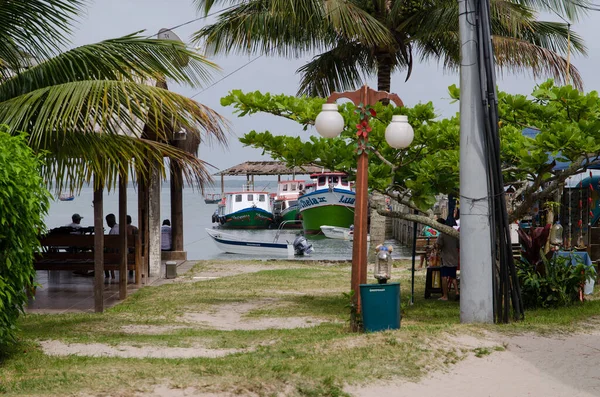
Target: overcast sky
112 18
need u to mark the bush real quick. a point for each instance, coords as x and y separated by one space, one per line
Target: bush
23 203
556 283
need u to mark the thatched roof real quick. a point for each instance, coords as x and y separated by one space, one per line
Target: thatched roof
269 168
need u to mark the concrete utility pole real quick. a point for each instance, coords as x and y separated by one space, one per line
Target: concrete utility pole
476 296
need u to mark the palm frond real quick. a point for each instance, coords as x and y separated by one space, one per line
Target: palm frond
78 158
339 69
518 55
573 10
37 28
129 58
290 27
205 6
112 107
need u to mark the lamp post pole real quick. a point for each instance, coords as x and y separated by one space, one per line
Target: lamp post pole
365 96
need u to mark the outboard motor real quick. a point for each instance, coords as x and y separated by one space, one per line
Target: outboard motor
301 246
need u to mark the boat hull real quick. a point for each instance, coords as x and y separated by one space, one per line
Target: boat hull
290 215
339 233
333 208
231 244
248 218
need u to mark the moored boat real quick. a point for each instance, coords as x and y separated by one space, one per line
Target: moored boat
330 202
246 209
340 233
66 197
236 245
285 205
212 198
233 244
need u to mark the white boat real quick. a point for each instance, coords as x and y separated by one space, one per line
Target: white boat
285 204
340 233
245 209
66 197
237 245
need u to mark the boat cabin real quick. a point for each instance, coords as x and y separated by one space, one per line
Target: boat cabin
237 201
287 190
330 180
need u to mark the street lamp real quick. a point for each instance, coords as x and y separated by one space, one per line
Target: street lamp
399 134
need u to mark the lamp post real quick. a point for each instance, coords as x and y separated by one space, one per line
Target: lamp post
399 134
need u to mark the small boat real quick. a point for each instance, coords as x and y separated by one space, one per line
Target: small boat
66 197
329 202
237 245
212 198
285 203
245 209
340 233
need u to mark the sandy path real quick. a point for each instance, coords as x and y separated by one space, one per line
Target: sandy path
57 348
531 366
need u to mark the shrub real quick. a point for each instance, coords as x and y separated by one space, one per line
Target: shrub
556 283
23 203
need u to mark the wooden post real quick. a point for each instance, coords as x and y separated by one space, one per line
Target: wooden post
143 226
154 254
123 249
176 208
98 247
138 259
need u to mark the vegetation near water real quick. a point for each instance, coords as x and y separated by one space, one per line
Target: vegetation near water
313 361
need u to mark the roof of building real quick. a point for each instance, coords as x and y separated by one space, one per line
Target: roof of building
269 168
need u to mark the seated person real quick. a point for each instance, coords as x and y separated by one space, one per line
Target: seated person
76 221
131 230
165 236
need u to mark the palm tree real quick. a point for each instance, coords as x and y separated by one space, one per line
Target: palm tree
95 109
357 38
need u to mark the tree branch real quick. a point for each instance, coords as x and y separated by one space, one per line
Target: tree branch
422 219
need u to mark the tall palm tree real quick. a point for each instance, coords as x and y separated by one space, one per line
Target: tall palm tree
91 109
358 38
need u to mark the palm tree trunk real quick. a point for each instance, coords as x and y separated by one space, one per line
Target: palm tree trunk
384 71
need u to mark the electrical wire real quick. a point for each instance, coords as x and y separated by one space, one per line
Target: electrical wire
505 283
194 20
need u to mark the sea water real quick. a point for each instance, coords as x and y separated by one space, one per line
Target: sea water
196 218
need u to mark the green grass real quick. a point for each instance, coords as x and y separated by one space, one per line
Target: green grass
315 361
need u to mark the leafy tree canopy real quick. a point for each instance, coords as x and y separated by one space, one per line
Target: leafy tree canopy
568 123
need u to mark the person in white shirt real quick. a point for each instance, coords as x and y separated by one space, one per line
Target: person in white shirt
165 236
111 221
76 224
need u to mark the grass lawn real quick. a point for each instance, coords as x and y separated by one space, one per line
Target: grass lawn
312 361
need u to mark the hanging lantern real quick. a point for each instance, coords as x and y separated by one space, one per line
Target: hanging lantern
556 234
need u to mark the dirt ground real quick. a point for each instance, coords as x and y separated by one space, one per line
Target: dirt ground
531 366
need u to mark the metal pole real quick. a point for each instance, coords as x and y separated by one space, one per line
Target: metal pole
476 303
414 253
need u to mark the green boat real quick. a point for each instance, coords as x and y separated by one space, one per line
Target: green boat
244 210
330 202
285 205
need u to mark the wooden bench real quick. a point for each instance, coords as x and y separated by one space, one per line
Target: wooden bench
76 252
